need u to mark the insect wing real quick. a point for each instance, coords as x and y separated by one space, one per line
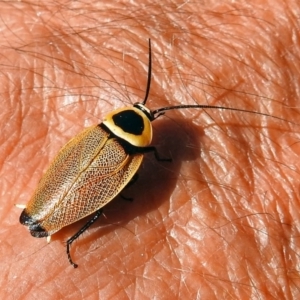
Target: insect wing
86 174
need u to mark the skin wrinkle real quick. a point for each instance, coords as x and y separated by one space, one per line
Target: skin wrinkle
96 55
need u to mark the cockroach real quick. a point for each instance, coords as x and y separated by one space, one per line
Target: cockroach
94 167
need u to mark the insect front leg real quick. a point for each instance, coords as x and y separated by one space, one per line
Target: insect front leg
153 149
80 232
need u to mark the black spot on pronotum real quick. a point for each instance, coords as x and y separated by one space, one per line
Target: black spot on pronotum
129 121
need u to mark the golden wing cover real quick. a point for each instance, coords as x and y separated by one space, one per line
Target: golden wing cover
87 173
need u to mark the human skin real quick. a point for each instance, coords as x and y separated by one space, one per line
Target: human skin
221 220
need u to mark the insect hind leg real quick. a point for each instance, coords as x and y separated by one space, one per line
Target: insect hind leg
80 232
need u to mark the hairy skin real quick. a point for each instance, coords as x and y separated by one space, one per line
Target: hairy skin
219 222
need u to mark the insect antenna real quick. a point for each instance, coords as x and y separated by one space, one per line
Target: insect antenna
161 111
149 74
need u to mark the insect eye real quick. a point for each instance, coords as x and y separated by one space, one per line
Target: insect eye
145 110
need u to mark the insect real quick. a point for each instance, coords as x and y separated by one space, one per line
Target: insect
94 167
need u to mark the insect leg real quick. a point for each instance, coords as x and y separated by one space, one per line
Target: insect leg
81 231
126 198
130 183
153 149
